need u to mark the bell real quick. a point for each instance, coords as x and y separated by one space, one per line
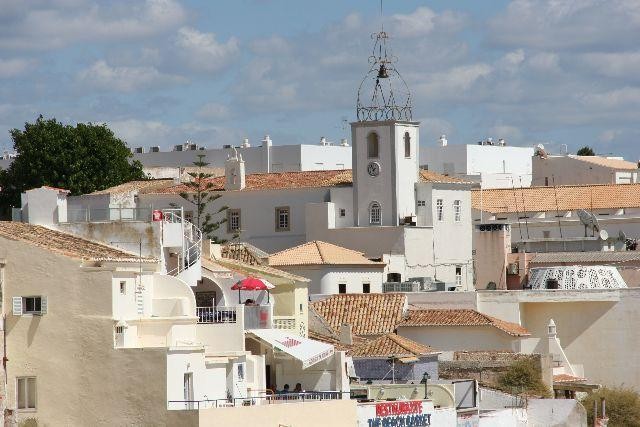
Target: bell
382 72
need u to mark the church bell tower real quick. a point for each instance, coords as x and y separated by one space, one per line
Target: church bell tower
385 154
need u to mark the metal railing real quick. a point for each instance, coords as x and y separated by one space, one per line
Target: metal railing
108 214
270 399
216 314
416 286
192 241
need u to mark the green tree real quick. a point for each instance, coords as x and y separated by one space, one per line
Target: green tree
82 159
523 377
622 405
586 151
199 192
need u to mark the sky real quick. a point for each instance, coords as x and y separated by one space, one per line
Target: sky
160 72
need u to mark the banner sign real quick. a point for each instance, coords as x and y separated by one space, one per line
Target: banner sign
406 413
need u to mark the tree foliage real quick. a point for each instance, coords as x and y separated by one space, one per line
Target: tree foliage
622 406
586 151
523 377
82 159
199 193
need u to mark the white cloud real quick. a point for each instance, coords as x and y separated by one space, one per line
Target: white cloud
102 76
213 111
614 64
511 134
424 21
14 67
203 52
452 83
55 26
609 135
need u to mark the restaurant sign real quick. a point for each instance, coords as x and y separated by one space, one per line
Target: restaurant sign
406 413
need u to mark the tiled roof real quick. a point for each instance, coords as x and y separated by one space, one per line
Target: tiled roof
609 163
305 179
391 345
320 253
335 341
243 252
260 271
368 314
429 176
569 197
460 317
64 243
127 187
566 378
274 181
581 257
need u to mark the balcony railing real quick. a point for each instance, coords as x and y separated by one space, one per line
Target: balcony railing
310 396
216 314
417 286
107 214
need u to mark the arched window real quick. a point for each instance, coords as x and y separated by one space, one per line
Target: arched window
372 145
407 145
374 213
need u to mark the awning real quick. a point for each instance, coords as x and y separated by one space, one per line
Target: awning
306 350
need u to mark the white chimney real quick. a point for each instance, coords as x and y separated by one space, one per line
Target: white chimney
245 143
234 172
344 142
502 142
346 334
266 142
323 141
443 140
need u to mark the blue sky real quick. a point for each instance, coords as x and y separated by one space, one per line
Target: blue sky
163 71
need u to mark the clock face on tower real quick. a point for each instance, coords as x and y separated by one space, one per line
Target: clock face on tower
373 168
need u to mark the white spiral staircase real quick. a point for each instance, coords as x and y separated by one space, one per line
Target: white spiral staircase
181 247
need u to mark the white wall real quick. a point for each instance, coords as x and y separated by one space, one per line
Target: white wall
461 338
325 279
328 157
569 170
43 206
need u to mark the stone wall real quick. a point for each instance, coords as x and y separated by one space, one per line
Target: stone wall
483 366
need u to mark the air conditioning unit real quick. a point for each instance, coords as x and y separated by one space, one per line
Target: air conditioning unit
178 148
513 268
155 149
139 150
193 147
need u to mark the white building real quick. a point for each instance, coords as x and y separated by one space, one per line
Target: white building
582 170
331 269
491 165
263 158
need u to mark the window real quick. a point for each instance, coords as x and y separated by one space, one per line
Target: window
342 288
546 234
546 181
26 392
422 203
240 371
29 305
366 288
343 213
123 288
372 145
394 277
407 145
440 210
457 212
233 220
374 213
282 218
458 276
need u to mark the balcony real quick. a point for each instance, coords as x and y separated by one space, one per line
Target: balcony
416 286
74 215
252 316
216 314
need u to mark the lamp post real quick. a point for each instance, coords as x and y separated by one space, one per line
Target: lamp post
425 380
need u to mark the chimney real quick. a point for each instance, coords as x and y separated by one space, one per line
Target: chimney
443 140
234 172
215 250
344 142
266 142
245 143
346 335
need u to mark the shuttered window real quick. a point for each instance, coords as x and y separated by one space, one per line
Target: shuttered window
29 305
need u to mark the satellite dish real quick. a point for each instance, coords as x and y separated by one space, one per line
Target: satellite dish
603 235
621 236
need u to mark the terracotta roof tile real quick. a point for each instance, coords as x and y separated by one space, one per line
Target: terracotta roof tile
334 341
429 176
320 253
305 179
64 243
606 162
391 345
460 317
368 314
145 185
279 180
569 197
566 378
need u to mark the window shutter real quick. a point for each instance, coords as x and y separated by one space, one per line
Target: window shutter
43 305
17 306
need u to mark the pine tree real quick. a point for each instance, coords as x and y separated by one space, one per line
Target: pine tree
201 195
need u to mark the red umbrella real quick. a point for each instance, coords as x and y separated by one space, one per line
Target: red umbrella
252 284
